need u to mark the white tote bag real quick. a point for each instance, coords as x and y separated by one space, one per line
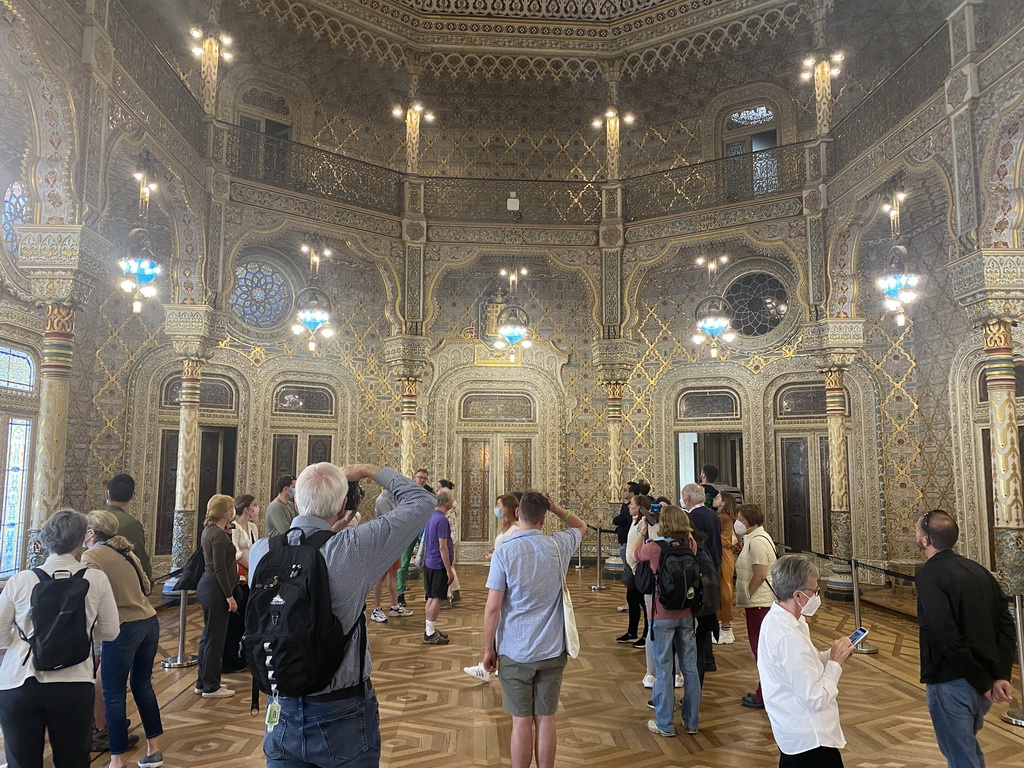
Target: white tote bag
572 635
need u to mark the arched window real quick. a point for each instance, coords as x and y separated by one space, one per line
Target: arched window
1018 374
14 212
216 393
748 135
715 404
17 409
303 399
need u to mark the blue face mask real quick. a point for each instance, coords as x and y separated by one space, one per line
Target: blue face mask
497 513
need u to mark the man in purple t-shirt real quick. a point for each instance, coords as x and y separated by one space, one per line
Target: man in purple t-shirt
438 553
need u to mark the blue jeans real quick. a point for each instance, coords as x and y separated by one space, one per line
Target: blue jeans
325 734
676 635
958 712
130 657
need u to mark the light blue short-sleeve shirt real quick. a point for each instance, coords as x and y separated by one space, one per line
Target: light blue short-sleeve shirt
526 568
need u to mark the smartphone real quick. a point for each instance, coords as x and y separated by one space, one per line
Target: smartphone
858 635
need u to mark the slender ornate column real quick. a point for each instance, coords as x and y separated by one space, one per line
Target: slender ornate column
409 387
615 360
840 586
52 440
186 481
407 358
1006 468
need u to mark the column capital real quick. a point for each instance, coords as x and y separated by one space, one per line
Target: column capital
615 360
989 284
194 329
64 262
835 341
406 356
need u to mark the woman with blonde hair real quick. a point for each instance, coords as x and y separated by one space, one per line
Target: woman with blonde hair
215 590
130 656
672 631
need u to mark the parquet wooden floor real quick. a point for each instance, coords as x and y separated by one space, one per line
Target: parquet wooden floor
433 714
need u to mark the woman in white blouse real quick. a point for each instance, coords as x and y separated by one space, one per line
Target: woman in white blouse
60 702
245 533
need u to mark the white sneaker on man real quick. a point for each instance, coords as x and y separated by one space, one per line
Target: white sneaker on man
679 679
648 681
378 615
622 608
399 610
726 637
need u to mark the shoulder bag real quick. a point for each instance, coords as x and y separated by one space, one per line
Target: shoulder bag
572 635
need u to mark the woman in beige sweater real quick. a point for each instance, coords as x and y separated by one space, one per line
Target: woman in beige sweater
131 655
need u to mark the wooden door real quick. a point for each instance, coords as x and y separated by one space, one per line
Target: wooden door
796 493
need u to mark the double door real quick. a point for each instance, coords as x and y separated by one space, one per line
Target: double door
490 465
806 491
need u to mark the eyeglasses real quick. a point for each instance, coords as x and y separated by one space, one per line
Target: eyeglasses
924 522
814 593
422 477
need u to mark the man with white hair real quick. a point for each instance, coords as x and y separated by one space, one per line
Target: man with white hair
356 558
438 574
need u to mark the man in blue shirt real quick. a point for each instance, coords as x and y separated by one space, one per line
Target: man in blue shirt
438 554
524 622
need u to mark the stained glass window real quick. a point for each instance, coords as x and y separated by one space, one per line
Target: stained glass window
709 404
759 303
15 208
16 370
801 401
753 116
215 393
19 434
262 296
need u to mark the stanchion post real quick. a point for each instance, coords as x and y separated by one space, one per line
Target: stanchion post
579 553
181 660
861 647
599 585
1016 716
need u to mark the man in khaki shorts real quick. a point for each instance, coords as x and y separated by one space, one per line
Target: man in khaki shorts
523 622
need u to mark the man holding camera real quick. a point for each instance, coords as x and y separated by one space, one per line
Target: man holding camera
356 558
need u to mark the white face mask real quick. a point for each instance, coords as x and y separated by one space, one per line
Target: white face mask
811 606
739 527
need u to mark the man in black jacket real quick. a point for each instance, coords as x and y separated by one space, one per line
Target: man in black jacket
967 640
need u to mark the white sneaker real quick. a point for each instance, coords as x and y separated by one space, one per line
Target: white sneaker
648 681
478 671
679 679
726 637
622 608
399 610
378 615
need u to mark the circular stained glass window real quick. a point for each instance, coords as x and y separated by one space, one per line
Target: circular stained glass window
759 303
262 296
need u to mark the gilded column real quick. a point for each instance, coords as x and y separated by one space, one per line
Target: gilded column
1006 474
840 585
52 442
186 483
408 450
613 414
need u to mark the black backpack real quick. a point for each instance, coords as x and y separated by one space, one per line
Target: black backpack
61 635
679 578
711 587
293 642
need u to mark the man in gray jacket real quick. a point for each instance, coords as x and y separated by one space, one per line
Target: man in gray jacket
356 558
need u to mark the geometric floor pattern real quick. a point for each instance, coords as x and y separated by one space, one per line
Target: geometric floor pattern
434 715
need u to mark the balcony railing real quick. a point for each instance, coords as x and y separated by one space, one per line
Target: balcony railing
312 171
151 72
484 200
755 175
888 104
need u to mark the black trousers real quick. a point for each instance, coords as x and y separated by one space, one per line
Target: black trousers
635 601
819 757
215 629
233 660
64 710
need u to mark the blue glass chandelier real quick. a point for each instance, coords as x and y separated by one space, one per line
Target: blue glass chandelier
898 285
311 320
139 274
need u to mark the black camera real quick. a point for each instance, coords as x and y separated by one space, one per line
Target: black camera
355 495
